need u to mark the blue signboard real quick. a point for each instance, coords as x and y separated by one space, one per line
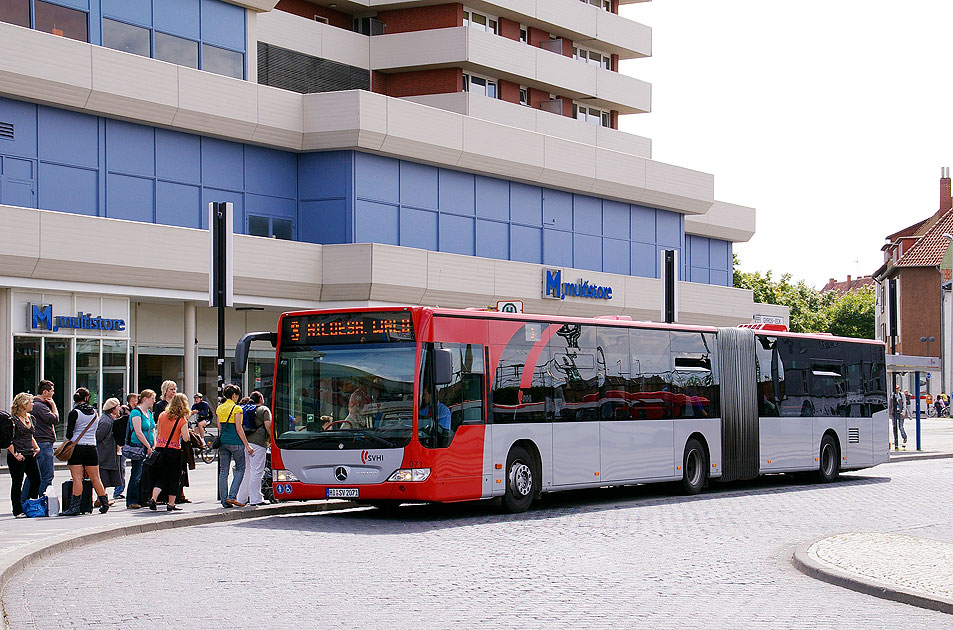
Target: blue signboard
42 318
555 289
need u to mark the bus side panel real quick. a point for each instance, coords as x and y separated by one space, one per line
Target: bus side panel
787 443
638 449
458 468
710 428
576 456
881 437
857 451
504 435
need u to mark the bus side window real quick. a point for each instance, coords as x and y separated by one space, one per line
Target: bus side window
463 395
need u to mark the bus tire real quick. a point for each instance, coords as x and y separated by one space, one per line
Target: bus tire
828 462
694 467
522 479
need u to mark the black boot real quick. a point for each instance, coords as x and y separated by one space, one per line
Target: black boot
103 504
74 506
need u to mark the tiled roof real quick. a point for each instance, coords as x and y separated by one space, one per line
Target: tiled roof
907 231
929 250
848 285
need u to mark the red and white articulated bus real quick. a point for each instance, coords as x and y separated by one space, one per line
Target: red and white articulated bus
410 404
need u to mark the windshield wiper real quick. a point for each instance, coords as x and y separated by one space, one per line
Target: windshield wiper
379 439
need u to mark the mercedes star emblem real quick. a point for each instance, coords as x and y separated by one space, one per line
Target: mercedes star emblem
340 473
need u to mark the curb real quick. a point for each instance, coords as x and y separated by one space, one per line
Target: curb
912 457
22 558
807 565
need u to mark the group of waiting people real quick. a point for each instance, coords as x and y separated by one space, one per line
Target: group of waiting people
156 436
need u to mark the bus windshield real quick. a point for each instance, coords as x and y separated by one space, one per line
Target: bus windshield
359 396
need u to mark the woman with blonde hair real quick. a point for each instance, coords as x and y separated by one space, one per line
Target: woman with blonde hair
172 429
21 454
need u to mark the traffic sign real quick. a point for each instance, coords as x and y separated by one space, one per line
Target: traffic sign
510 306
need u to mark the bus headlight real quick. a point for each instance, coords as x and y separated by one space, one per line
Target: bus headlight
285 475
410 474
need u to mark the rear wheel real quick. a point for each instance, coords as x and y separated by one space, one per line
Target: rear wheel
829 460
694 467
522 480
208 455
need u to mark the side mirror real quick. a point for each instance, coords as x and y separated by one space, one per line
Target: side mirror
442 366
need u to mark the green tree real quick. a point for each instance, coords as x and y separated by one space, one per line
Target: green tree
847 315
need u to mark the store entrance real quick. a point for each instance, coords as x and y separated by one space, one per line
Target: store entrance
39 358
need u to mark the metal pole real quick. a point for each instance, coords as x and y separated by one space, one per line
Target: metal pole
916 375
220 304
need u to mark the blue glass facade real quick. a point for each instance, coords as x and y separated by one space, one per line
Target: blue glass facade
71 162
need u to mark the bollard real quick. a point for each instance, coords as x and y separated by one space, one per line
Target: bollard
916 376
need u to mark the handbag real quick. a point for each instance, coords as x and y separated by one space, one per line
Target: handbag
153 458
65 450
37 507
129 451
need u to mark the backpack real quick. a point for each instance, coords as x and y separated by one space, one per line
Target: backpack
249 423
6 429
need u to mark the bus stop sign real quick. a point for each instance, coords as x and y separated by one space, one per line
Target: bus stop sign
510 306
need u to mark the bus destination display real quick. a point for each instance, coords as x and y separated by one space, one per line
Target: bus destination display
311 330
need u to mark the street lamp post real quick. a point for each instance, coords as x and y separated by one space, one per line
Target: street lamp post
929 340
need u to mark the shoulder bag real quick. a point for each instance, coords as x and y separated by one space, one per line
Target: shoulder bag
65 450
130 451
153 458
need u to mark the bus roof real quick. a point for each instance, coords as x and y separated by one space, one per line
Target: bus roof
539 317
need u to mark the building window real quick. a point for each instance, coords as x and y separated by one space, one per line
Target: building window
480 21
524 96
221 61
15 12
479 85
592 57
270 227
602 4
524 36
126 37
591 115
177 50
52 18
322 19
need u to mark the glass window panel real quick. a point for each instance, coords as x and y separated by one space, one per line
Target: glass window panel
461 399
281 228
479 19
183 52
492 25
652 374
491 89
114 369
52 18
616 370
87 368
26 364
466 83
221 61
576 381
126 37
258 226
16 12
56 360
466 18
523 36
606 122
155 366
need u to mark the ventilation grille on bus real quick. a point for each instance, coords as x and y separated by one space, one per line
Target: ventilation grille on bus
853 436
6 131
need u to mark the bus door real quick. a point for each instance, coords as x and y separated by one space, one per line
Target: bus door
574 405
451 421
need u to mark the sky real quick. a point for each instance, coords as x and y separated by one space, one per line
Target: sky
831 117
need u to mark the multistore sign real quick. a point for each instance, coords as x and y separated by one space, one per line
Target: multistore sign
40 317
555 289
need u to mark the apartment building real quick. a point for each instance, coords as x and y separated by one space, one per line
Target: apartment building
375 152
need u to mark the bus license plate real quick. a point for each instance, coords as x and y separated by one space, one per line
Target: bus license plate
343 493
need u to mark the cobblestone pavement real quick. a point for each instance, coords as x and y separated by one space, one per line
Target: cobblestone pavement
605 558
926 567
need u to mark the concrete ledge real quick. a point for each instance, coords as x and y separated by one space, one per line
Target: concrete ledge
13 562
806 564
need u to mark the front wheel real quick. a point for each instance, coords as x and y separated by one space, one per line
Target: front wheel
694 467
208 455
829 460
522 480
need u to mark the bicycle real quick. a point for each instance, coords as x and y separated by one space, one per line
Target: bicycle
205 452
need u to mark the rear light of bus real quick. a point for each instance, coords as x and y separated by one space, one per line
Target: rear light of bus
410 474
285 475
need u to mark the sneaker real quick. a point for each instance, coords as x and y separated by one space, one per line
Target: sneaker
234 503
119 496
133 506
20 515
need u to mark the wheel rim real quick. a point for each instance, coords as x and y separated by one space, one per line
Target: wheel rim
693 467
827 459
521 478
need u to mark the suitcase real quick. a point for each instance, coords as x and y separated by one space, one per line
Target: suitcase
85 503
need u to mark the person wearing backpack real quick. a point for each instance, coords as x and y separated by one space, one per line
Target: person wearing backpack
256 420
21 451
